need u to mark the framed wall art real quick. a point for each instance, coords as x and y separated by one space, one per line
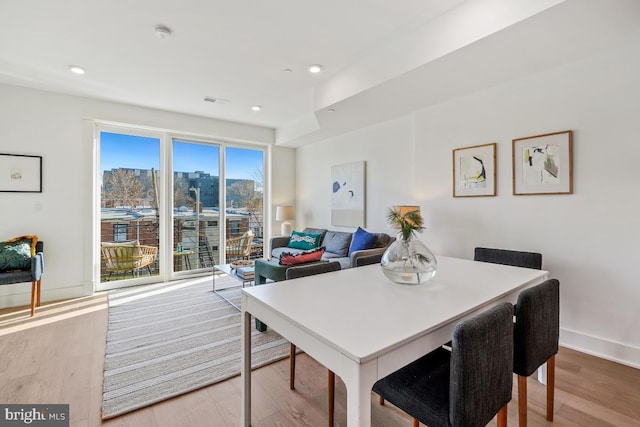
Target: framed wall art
20 173
543 164
348 195
474 171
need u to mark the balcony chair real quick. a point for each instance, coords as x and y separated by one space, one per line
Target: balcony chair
536 334
466 386
509 257
302 271
239 247
120 257
33 274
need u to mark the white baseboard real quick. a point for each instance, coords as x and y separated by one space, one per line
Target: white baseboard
600 347
19 294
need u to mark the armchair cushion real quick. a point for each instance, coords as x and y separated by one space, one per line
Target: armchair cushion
362 239
305 241
288 258
15 254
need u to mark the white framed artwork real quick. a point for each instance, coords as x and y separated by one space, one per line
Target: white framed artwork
348 194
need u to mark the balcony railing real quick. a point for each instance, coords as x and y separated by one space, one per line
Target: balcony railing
196 240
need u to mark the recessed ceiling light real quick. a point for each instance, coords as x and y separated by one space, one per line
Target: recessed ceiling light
331 110
315 68
76 69
256 108
288 70
162 32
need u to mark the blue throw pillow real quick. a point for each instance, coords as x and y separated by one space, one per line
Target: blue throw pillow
305 241
362 239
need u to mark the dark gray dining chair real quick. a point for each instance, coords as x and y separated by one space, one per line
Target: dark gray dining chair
536 333
466 386
294 273
509 257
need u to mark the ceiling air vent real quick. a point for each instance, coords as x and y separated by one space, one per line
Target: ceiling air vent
216 100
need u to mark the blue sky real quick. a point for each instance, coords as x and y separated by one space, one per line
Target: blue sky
129 151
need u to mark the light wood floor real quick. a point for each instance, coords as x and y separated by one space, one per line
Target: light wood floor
57 357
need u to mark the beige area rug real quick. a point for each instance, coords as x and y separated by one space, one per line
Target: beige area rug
169 339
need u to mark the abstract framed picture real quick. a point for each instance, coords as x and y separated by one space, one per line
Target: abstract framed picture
543 164
348 194
20 173
474 171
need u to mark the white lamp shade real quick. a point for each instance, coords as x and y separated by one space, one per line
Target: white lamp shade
285 213
405 209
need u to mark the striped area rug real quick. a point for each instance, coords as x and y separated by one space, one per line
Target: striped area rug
168 339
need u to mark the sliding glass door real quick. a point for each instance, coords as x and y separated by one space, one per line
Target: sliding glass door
244 169
196 205
129 207
155 226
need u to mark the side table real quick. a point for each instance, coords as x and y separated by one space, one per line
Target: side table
231 272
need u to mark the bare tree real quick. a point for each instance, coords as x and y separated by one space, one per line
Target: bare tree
249 193
181 193
121 187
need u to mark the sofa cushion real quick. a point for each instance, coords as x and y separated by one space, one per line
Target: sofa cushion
320 231
288 258
362 239
15 254
337 242
383 240
305 241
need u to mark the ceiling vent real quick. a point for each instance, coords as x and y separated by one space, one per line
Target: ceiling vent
216 100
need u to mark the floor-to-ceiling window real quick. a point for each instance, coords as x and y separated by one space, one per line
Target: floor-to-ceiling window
196 205
244 171
155 227
130 216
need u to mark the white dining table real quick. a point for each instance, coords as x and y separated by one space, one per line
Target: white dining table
363 326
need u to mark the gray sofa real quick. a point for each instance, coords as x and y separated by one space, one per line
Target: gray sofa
336 245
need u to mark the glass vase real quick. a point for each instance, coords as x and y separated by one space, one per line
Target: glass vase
408 261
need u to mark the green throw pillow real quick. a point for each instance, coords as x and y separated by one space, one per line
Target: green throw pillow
305 241
15 254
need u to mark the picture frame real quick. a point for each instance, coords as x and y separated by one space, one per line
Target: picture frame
348 194
474 171
543 164
20 173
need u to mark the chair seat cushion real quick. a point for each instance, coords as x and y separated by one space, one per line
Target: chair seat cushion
9 277
409 387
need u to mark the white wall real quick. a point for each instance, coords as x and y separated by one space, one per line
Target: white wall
60 129
589 240
389 178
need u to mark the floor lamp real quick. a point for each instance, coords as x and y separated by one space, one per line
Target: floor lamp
286 214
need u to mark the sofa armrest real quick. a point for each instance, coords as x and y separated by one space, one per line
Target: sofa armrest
279 242
365 253
37 266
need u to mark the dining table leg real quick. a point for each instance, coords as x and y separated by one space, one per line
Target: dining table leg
245 370
359 380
